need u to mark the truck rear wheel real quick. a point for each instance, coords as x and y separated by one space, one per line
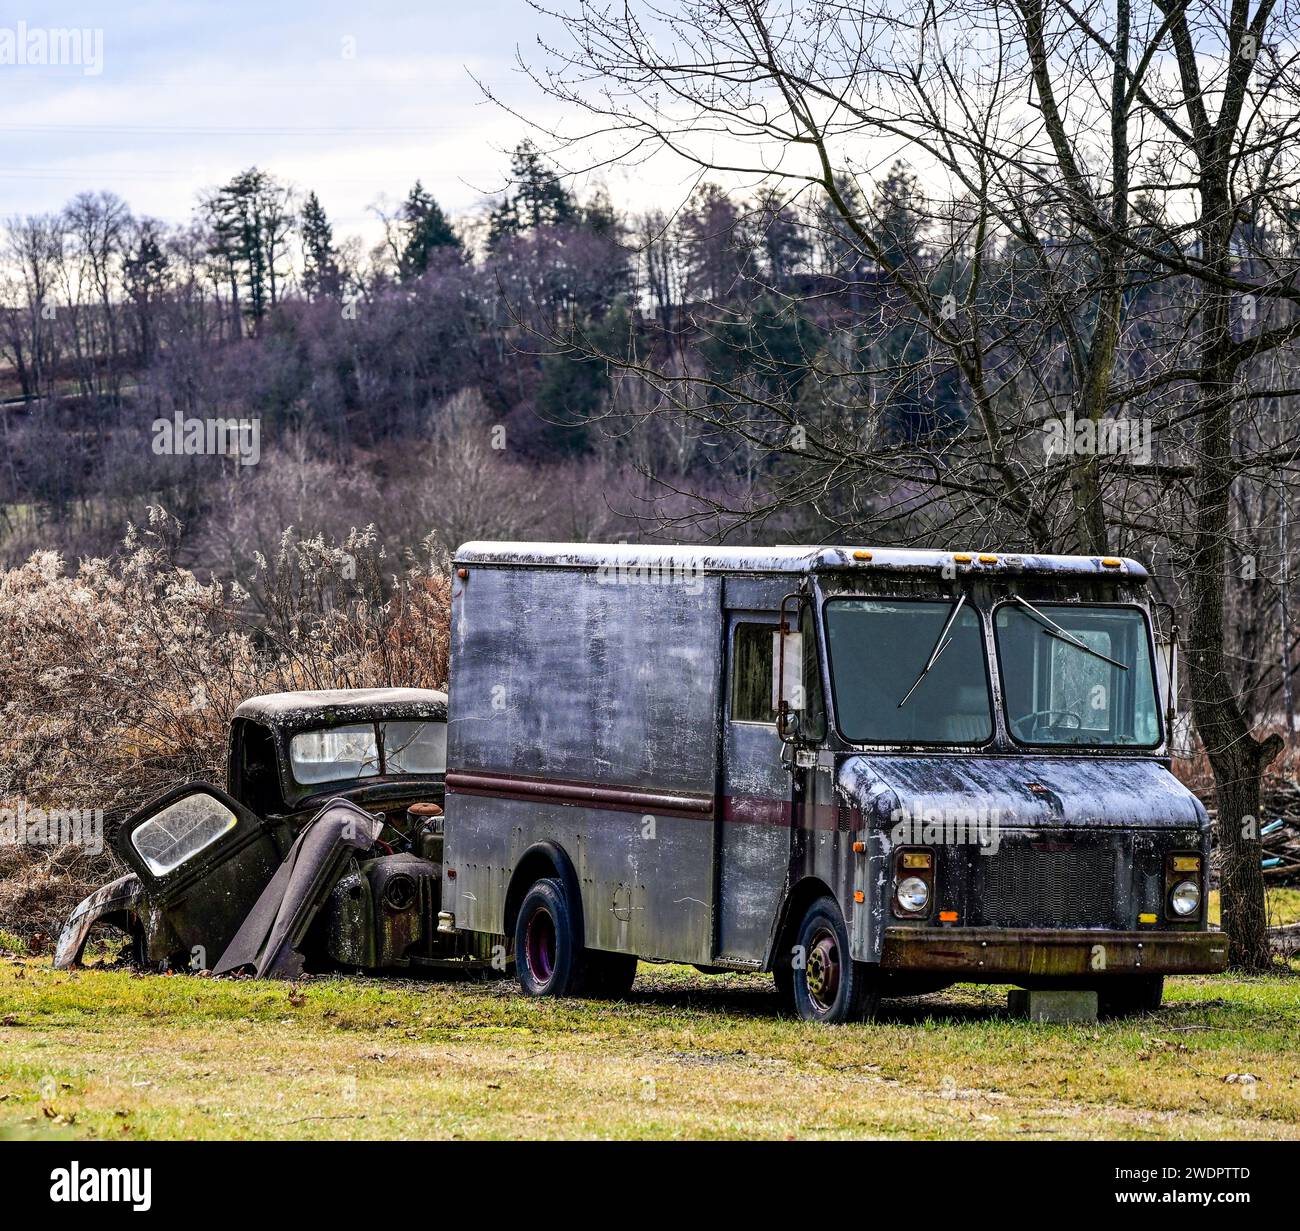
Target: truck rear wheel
548 949
829 986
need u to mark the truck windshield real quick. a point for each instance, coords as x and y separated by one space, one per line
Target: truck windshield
879 649
1056 692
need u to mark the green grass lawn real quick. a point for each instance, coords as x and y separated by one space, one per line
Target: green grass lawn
1282 905
112 1054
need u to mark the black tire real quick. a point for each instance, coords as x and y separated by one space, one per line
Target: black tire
1127 995
828 985
548 949
609 976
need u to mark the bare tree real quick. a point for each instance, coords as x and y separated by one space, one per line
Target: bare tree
1096 188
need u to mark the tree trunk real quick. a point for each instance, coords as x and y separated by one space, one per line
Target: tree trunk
1237 758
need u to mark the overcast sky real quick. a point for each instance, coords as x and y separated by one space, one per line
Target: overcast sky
349 99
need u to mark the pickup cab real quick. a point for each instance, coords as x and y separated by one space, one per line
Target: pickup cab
323 850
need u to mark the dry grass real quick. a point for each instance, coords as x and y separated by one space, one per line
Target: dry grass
110 1054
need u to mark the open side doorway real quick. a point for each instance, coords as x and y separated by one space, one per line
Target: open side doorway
757 804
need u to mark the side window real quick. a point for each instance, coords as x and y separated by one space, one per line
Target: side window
751 673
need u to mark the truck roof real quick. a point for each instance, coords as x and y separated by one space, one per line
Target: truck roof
786 559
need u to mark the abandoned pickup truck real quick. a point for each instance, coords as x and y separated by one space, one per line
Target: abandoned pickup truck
324 850
867 771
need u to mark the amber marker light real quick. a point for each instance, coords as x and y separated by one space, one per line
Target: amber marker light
961 557
988 559
917 859
862 555
859 847
947 916
1187 863
1110 563
859 896
462 573
1146 918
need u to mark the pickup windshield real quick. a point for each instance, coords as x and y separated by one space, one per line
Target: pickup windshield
1057 692
368 750
879 649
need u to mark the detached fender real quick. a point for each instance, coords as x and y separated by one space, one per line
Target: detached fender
118 898
268 939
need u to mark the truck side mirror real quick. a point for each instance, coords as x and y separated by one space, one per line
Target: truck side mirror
1167 674
1167 669
787 681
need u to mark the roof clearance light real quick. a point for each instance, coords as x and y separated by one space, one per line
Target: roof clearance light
961 557
1109 562
862 555
987 559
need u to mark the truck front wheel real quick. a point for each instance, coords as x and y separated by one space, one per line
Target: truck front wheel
829 986
548 949
1126 995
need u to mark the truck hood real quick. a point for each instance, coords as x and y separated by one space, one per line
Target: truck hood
1020 792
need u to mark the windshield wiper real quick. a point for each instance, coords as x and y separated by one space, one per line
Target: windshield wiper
939 646
1069 638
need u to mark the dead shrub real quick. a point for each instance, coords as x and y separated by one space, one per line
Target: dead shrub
118 679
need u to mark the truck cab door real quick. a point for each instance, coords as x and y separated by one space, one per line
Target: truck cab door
203 859
756 805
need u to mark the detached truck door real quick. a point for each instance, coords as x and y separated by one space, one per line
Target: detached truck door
754 819
203 859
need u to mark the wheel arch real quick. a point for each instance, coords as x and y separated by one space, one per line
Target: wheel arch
801 896
542 861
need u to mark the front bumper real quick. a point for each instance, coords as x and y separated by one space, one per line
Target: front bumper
994 954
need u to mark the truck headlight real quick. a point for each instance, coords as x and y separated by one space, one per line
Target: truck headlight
912 894
1185 898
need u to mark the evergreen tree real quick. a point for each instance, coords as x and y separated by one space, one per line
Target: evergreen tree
575 386
320 274
538 199
251 219
145 268
779 237
713 245
896 217
426 230
599 215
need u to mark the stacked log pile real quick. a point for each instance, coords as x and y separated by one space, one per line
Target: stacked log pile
1279 829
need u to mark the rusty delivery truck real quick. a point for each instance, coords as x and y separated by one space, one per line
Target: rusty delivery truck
869 772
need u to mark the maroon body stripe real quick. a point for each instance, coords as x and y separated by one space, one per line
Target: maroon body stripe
589 794
736 809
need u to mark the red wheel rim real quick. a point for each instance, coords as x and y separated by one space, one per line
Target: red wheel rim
822 974
539 945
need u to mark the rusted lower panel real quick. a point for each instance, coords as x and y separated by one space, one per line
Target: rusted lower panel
996 955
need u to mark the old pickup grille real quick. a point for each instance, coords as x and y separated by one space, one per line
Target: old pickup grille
1030 887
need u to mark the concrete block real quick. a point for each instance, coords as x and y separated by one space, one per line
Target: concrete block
1052 1006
